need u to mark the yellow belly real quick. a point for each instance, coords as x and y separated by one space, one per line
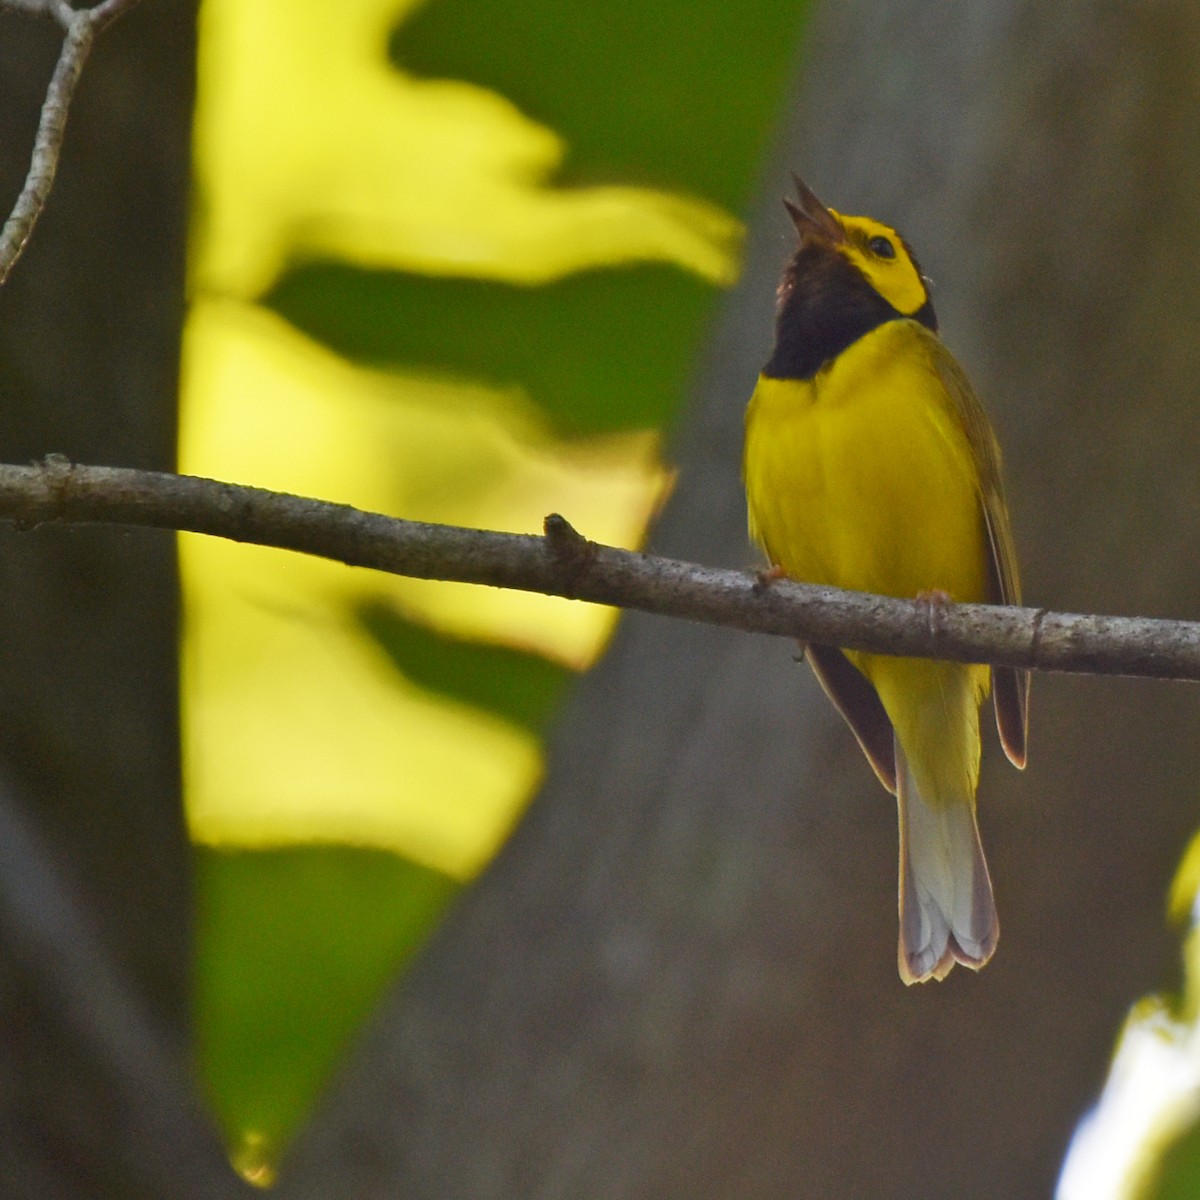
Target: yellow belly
862 477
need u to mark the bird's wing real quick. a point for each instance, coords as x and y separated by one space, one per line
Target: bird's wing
857 701
1010 686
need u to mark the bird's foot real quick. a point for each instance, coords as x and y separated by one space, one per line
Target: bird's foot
766 576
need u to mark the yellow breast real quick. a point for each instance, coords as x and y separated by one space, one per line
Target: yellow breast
863 478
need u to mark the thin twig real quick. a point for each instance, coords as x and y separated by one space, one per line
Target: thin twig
82 26
565 564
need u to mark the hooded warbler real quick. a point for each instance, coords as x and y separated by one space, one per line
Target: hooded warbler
870 465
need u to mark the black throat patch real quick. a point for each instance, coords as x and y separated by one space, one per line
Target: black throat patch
825 305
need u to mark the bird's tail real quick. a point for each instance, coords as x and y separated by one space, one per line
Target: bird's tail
947 913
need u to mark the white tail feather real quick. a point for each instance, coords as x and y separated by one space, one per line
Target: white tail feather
947 913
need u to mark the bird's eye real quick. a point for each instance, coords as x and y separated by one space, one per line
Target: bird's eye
881 247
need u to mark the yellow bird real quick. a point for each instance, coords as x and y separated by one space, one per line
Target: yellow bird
870 465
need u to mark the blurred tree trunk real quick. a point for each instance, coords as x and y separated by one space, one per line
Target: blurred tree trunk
679 977
94 935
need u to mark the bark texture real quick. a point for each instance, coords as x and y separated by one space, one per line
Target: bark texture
94 901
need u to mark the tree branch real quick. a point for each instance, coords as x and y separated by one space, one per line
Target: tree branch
563 563
82 27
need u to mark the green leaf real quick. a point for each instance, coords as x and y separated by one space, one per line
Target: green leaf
523 688
598 351
670 94
1177 1175
294 947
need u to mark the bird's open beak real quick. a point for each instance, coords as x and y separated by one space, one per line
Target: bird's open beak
811 217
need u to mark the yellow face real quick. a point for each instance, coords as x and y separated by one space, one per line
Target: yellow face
879 252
